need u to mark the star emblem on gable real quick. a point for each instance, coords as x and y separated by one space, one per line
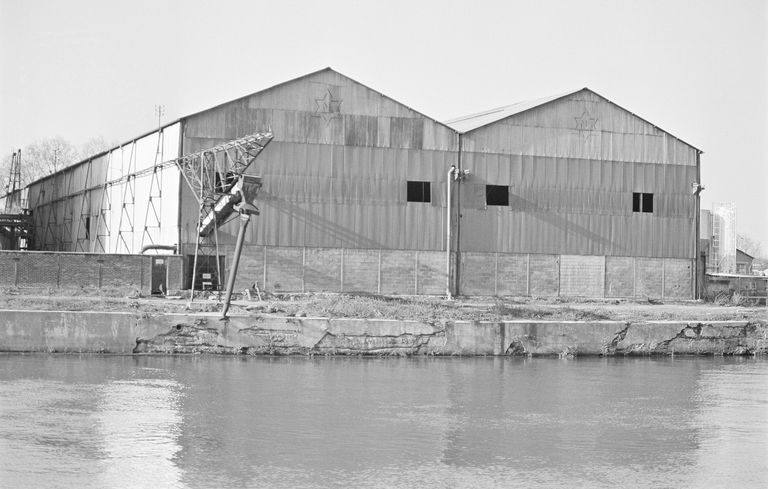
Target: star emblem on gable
585 124
328 107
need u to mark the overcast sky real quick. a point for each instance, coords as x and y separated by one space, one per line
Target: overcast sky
696 68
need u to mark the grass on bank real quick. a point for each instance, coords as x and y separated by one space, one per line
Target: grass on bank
422 308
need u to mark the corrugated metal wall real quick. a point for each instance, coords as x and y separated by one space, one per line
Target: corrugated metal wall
335 175
120 220
572 166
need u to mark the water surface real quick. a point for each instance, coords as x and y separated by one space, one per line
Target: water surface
189 422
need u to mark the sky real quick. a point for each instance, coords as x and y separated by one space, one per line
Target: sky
695 68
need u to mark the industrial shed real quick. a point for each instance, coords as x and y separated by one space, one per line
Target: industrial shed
574 195
570 195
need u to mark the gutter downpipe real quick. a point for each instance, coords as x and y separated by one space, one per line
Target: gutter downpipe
180 196
697 285
454 174
459 175
451 172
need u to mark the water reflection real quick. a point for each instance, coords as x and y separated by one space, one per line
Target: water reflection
86 422
732 416
138 422
341 422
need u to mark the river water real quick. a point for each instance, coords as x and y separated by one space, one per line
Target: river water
188 422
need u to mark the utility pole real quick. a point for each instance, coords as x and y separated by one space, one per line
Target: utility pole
160 112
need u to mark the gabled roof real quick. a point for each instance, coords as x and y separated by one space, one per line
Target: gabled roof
183 118
328 68
740 252
481 119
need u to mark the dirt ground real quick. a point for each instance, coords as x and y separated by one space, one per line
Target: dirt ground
429 309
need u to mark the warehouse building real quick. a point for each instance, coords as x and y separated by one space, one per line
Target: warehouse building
569 195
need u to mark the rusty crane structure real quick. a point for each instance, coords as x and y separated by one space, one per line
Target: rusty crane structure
217 179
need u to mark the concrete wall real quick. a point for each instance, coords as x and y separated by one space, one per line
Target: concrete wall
408 272
574 275
60 269
52 331
305 269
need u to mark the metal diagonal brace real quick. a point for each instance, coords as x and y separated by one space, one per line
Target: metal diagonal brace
247 188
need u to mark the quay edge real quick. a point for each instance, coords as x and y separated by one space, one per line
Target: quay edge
133 333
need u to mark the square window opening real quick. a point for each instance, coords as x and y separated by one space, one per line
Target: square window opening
419 192
497 195
642 202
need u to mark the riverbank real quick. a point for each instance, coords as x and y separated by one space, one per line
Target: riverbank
331 324
143 333
429 309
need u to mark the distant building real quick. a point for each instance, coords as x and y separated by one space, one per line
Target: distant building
722 258
569 195
743 262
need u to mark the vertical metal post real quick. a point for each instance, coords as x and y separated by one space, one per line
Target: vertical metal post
461 174
448 233
697 251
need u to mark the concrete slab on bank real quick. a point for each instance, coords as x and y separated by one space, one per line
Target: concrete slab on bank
126 333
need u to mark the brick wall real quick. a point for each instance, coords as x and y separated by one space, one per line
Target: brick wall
543 275
298 269
582 275
398 272
648 277
289 269
619 276
92 270
361 271
503 274
678 275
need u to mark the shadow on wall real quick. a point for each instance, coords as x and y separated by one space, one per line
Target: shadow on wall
340 235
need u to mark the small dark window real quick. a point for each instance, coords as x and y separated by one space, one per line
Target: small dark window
419 192
642 202
647 202
497 195
88 227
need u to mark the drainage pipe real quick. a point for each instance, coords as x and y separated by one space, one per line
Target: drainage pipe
148 247
448 233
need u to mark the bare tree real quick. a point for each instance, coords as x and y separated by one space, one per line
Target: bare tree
45 157
749 246
5 171
95 146
48 156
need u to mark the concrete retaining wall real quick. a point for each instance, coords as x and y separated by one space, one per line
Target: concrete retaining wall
541 275
305 269
97 332
412 272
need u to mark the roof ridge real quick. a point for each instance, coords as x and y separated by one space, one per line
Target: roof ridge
535 102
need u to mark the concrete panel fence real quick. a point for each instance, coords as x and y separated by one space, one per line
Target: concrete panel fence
299 269
93 270
408 272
